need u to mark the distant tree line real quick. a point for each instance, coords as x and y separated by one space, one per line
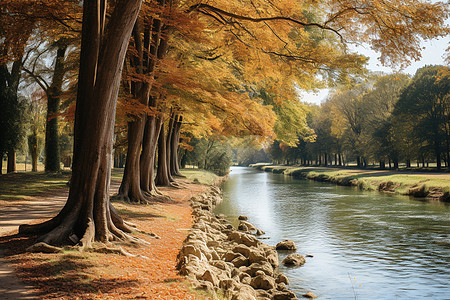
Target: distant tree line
385 120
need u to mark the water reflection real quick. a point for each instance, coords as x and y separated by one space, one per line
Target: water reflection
366 245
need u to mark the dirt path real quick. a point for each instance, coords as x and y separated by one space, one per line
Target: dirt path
27 212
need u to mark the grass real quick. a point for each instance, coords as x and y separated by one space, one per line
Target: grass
24 185
17 186
200 176
407 183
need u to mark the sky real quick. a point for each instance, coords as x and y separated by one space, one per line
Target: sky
432 54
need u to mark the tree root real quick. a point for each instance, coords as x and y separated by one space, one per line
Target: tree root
43 248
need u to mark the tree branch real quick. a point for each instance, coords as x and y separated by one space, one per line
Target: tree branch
204 8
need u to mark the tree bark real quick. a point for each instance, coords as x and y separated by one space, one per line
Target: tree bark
33 148
174 161
133 188
52 155
11 166
88 214
162 174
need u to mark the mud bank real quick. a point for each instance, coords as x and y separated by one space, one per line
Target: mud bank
227 262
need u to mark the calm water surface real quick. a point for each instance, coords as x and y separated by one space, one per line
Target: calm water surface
366 245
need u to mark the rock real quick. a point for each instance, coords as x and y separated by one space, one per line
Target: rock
240 261
259 232
262 266
294 260
243 227
243 238
243 218
256 256
272 258
245 278
245 292
220 264
227 284
281 278
230 255
283 295
263 282
211 277
217 256
262 294
242 249
286 245
310 295
250 240
248 225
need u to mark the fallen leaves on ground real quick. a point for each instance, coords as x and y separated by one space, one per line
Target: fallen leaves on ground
150 275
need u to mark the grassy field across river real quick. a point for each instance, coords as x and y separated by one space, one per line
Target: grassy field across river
434 186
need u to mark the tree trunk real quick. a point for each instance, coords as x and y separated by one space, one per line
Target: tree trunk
130 188
33 148
11 166
169 148
408 163
395 163
88 214
52 155
175 138
162 173
438 160
1 163
382 164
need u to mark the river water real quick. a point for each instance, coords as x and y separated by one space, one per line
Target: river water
365 245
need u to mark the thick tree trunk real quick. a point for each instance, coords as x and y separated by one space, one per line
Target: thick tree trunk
88 214
162 173
1 163
11 166
130 188
52 155
148 156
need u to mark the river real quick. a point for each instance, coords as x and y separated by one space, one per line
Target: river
365 245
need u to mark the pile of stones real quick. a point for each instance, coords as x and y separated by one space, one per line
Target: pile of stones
228 262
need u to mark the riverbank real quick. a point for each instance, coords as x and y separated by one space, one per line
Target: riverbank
150 273
226 262
431 186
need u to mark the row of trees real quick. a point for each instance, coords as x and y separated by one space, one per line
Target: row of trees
147 69
385 119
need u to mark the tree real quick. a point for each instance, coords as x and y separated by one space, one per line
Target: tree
53 93
88 214
11 114
17 22
427 99
381 100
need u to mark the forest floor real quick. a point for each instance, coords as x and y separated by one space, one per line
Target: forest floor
432 185
92 275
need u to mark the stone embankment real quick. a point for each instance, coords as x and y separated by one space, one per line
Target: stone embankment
226 262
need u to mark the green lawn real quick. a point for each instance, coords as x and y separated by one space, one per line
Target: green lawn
17 186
